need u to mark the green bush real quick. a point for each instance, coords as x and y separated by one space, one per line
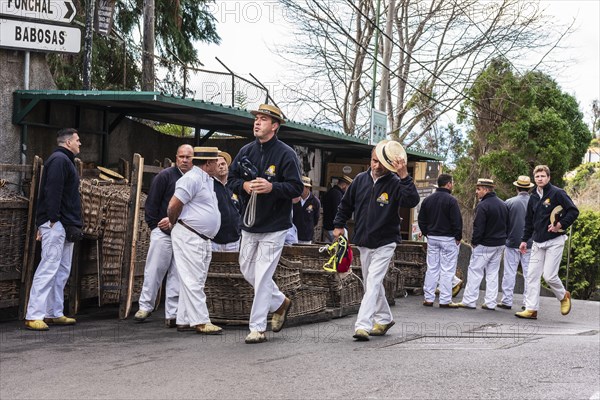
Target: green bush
584 268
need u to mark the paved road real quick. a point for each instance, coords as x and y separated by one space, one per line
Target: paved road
430 353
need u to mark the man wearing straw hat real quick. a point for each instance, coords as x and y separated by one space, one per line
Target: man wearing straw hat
59 209
194 217
375 197
228 237
331 201
160 260
306 213
517 209
490 229
266 174
550 211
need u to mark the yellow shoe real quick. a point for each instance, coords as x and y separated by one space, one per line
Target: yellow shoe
141 315
361 335
60 321
457 288
256 337
381 329
36 325
565 304
209 329
527 314
280 316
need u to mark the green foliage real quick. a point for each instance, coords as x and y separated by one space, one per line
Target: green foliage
518 122
116 59
584 267
175 130
584 175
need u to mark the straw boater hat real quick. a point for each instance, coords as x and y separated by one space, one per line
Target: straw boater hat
523 182
108 174
271 111
485 182
226 156
387 151
206 153
346 178
306 181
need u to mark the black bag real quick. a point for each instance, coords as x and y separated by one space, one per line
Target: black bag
73 233
248 171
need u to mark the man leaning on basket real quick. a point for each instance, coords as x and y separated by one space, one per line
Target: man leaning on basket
266 175
59 224
194 219
375 197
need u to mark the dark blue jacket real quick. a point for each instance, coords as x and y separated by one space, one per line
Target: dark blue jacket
490 227
277 163
376 207
229 207
330 205
440 215
59 198
161 191
306 217
538 213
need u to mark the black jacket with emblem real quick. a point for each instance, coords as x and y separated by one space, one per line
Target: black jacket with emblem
376 207
306 217
278 163
229 207
539 210
440 215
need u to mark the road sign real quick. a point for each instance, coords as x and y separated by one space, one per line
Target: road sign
378 126
60 11
24 35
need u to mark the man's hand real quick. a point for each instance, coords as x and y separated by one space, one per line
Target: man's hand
523 247
555 228
260 186
401 168
164 224
337 232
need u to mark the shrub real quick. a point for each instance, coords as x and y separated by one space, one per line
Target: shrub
584 268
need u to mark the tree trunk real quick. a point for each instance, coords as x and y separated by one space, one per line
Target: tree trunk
148 45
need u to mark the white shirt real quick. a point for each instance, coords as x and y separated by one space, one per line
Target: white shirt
196 191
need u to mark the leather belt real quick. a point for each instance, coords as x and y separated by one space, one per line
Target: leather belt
192 229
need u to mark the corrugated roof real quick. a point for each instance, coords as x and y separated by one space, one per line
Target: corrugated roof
165 108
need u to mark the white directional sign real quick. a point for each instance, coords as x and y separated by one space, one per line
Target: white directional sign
61 11
41 37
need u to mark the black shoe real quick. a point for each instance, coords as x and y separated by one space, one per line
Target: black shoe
485 307
504 306
170 323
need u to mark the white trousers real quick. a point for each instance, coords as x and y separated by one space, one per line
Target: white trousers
442 255
192 256
374 307
544 261
226 247
46 298
512 257
484 259
160 262
259 256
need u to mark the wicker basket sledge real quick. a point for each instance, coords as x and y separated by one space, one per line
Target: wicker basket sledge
411 261
13 229
230 297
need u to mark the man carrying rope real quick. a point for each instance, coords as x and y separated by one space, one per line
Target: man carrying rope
266 175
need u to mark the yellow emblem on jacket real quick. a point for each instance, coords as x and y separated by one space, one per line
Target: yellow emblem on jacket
270 171
309 208
234 197
383 199
547 202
